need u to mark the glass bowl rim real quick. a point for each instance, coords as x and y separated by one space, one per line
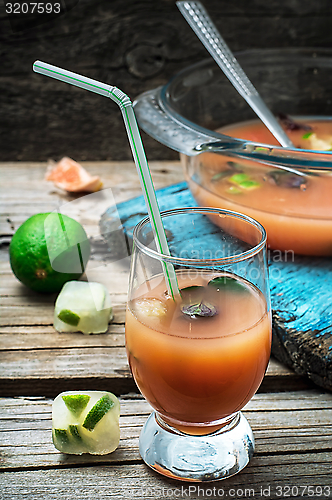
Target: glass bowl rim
201 262
286 52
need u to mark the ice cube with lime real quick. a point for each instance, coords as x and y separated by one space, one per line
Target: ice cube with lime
86 422
83 307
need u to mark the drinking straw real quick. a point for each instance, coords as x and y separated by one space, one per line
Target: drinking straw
137 149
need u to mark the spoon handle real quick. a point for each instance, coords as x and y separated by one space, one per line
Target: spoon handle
201 23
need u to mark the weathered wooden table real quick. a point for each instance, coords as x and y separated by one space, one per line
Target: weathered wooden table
291 418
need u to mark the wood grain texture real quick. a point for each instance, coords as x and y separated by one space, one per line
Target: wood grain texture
24 191
301 296
136 45
293 447
26 425
292 429
262 476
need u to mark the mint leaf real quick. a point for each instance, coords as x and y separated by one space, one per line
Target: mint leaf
202 310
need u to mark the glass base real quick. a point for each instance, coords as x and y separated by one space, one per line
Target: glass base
188 457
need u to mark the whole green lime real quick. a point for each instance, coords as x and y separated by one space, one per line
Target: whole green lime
48 250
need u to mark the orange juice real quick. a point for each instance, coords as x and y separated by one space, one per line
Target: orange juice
295 211
197 370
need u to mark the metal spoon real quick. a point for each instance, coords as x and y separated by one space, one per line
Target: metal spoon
200 21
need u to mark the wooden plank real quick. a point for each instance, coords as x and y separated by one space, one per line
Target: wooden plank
158 44
11 326
49 371
292 431
27 338
88 362
263 477
114 274
43 314
14 294
29 178
31 194
39 313
288 423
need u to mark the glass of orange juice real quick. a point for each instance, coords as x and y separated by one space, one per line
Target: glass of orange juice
200 356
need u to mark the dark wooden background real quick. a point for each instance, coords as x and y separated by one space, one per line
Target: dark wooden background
135 45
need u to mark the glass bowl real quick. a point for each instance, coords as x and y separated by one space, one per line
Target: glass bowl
289 191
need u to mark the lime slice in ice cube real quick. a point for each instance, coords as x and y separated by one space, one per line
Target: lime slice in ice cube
103 405
69 317
73 429
61 436
76 402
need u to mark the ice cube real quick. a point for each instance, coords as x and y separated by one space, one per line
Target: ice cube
82 307
86 422
150 307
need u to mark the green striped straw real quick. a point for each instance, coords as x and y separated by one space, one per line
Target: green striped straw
137 149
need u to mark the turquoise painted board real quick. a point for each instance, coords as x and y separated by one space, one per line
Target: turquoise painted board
301 290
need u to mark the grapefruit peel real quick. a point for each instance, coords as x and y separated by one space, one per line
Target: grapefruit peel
70 176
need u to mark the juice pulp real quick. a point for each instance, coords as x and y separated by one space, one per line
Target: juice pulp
195 372
296 215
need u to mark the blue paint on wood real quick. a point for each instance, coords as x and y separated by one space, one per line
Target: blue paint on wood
301 290
301 293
